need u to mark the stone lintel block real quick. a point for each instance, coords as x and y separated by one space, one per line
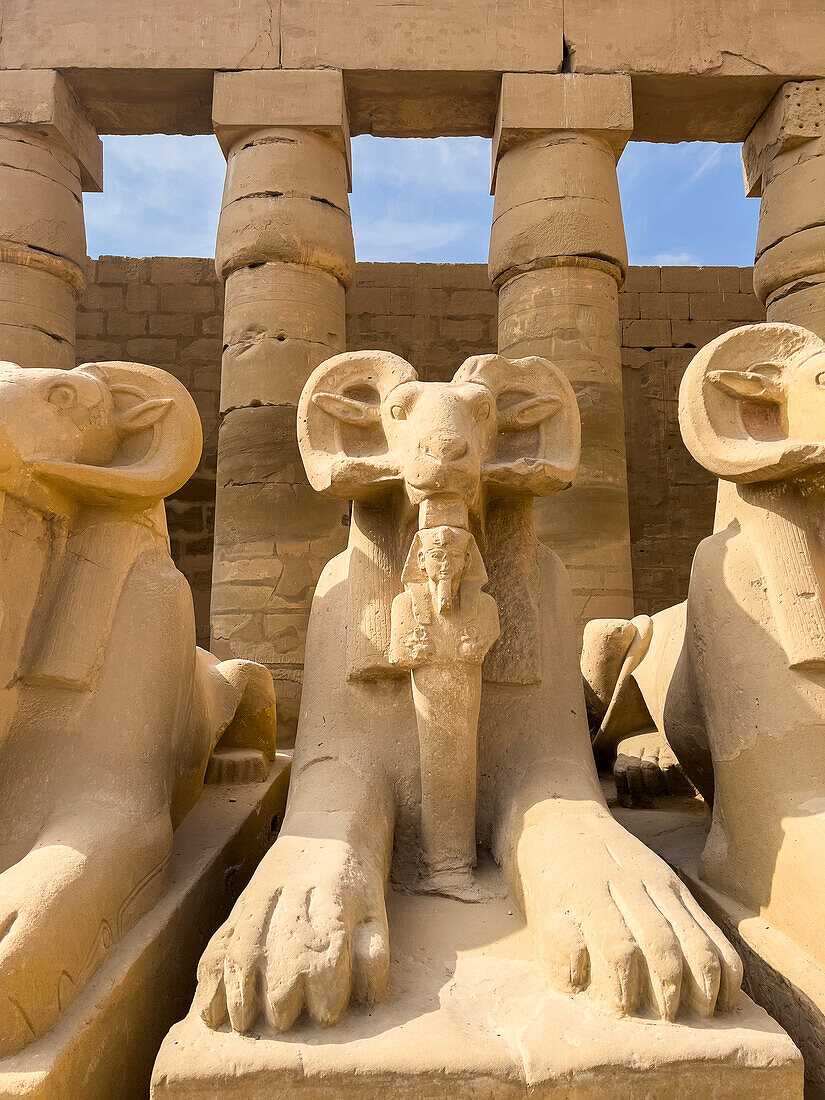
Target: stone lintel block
309 99
104 1045
42 99
795 115
532 104
423 35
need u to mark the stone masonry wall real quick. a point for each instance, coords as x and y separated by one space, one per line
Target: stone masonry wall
667 313
169 312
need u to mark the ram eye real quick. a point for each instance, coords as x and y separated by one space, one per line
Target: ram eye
62 395
398 412
483 410
820 378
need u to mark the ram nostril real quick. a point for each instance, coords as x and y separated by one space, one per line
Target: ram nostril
444 447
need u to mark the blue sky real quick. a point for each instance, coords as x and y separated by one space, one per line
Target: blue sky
423 200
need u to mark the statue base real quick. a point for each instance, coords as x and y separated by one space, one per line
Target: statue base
779 975
470 1015
105 1043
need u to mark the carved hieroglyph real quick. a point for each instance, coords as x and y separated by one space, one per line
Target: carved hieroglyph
440 472
108 713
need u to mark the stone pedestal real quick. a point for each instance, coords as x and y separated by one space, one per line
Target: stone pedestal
557 257
784 163
778 974
471 1015
286 253
105 1043
49 154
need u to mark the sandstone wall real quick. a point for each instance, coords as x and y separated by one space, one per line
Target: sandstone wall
169 312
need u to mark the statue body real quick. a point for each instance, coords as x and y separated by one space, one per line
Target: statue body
733 681
108 712
442 476
763 720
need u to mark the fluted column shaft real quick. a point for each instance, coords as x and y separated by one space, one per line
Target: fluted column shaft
49 154
557 258
285 252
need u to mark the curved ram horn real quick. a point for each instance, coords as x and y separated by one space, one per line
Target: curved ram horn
732 403
341 440
160 435
538 442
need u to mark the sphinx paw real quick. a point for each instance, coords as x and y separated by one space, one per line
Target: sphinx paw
645 767
294 948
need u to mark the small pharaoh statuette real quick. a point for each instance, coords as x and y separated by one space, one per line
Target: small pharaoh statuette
442 627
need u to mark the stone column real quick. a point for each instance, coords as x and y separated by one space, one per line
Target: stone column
49 155
784 162
557 258
286 254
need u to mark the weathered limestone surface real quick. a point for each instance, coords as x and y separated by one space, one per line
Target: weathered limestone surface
784 162
108 713
703 71
141 36
286 254
456 1025
788 983
170 312
700 72
106 1043
394 723
557 255
709 39
732 681
49 154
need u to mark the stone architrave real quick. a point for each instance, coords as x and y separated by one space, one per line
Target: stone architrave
784 163
447 861
109 715
286 254
49 155
557 258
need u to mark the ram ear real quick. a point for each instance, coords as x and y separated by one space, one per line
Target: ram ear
538 439
732 403
342 442
143 415
347 409
749 384
161 439
517 411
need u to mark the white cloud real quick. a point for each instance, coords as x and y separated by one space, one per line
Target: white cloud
455 165
161 197
387 239
668 259
706 164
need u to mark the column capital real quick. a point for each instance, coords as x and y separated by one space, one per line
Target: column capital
307 99
42 100
533 104
795 115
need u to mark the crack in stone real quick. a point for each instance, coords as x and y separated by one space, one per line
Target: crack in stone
787 236
37 328
35 172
